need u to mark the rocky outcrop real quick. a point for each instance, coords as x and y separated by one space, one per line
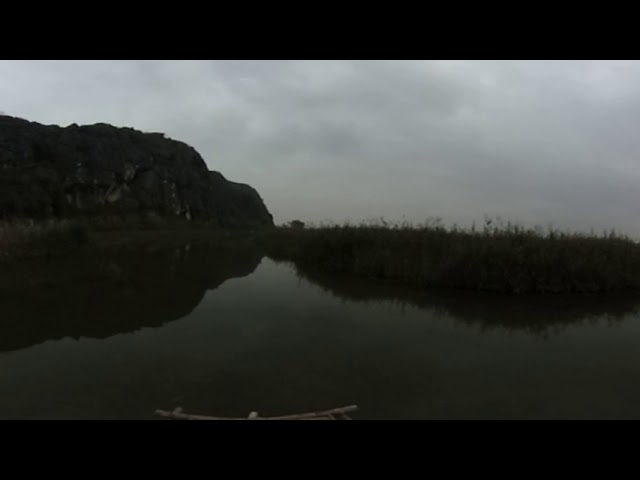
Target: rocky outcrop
103 171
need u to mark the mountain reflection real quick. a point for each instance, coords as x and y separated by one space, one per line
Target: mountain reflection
100 295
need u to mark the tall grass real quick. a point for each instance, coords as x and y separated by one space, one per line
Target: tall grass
499 256
21 240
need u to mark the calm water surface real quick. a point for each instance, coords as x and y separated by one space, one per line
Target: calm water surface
225 332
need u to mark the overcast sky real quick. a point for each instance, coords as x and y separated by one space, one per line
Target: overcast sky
533 141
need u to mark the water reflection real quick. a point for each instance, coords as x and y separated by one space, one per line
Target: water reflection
541 315
100 294
278 343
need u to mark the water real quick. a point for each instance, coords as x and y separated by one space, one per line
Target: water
225 332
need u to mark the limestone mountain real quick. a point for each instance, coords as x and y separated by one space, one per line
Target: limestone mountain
100 170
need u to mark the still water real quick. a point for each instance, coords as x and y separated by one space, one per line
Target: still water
225 332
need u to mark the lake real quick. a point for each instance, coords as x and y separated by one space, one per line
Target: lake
223 331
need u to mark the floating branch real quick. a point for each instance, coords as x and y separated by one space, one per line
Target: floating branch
333 414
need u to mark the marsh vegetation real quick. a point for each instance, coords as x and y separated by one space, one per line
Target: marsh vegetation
500 256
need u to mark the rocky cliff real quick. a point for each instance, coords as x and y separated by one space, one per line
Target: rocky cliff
101 171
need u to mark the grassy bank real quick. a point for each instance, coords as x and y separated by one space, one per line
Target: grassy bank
499 257
26 240
20 240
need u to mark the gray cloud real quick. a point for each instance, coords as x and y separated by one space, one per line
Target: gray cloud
536 142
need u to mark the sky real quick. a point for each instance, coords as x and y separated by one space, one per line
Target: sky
535 142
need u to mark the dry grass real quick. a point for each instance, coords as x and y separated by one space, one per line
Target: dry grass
499 257
20 240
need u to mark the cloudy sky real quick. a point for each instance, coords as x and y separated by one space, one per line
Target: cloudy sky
539 142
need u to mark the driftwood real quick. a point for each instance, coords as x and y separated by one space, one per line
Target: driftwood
333 414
